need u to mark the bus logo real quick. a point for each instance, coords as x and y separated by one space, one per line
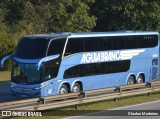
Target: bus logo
109 56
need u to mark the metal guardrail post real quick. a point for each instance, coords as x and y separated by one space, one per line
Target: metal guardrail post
42 100
149 85
83 94
118 89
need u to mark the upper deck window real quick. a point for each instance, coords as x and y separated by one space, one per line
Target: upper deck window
56 46
74 45
32 48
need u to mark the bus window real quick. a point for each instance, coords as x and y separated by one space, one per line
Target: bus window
123 66
56 46
72 72
98 68
117 66
118 43
82 70
74 45
90 44
89 70
32 48
50 72
143 42
105 43
110 67
154 41
130 42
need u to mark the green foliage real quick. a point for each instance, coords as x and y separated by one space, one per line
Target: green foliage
31 17
7 45
8 41
72 16
22 17
127 14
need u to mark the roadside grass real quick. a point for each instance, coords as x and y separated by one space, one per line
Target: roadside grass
5 76
96 106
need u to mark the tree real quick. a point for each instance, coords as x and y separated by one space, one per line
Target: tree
7 40
72 16
35 18
127 15
19 18
49 16
13 8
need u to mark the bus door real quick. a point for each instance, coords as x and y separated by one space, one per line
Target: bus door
154 69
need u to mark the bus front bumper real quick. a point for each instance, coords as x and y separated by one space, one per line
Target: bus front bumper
25 92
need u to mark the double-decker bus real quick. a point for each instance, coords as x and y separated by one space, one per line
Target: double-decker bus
60 63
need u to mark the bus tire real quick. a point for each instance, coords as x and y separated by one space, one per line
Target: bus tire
63 89
140 79
131 80
76 88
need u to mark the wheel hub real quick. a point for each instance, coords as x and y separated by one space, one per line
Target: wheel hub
75 89
63 91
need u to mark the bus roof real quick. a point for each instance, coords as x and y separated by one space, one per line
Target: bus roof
92 34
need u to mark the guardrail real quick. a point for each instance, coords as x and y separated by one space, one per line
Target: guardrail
81 97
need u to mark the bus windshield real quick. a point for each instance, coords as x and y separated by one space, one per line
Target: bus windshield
25 73
32 48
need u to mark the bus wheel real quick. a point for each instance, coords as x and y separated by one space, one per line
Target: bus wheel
76 88
63 89
140 79
130 80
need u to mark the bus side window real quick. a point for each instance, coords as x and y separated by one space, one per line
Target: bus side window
98 68
110 67
130 42
143 42
82 70
89 70
74 45
154 41
90 44
118 42
56 47
48 73
117 66
72 72
105 43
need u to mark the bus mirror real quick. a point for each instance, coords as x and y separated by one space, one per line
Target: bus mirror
4 59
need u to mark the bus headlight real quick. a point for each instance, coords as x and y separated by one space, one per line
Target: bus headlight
13 85
37 88
42 86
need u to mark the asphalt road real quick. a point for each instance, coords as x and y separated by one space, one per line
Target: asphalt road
5 95
128 112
